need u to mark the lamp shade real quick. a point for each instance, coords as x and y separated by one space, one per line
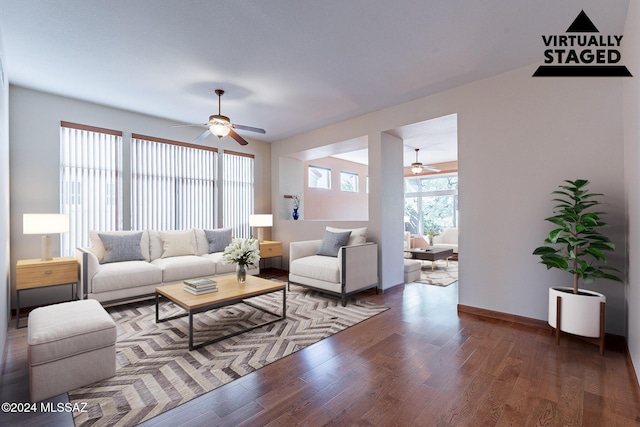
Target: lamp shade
48 223
261 220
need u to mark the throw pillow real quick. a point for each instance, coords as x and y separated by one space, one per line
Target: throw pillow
218 239
177 243
358 235
124 247
332 242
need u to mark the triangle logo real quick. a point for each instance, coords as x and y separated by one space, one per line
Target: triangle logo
582 24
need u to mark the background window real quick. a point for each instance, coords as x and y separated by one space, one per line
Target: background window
349 181
319 177
431 203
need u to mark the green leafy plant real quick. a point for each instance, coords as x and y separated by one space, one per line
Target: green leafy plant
577 246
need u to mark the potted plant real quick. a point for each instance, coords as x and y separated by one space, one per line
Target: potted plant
578 247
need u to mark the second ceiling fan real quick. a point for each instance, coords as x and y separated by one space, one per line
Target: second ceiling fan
220 126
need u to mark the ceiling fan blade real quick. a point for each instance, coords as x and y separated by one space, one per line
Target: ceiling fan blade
237 137
249 128
202 136
431 168
182 126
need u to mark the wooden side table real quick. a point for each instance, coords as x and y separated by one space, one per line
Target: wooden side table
35 273
271 249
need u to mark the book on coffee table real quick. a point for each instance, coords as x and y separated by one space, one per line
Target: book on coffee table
200 282
201 290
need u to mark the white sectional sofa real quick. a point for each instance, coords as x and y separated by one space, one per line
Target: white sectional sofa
114 267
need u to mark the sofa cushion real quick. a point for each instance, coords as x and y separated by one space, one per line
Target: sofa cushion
221 267
316 267
218 239
357 237
124 275
184 267
156 244
177 243
332 242
123 247
97 246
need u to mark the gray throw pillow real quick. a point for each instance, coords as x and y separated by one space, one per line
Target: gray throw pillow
218 239
125 247
332 242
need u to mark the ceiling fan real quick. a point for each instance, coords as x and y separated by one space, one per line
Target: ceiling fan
418 167
220 126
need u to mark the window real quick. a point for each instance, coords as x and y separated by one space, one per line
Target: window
90 182
349 182
172 185
319 177
238 195
431 203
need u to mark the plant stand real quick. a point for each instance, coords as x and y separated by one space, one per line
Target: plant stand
597 341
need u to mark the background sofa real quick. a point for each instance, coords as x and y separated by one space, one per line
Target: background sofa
448 240
123 269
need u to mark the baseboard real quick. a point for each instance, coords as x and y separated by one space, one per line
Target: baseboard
503 316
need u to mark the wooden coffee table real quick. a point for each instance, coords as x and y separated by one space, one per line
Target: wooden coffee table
229 292
431 254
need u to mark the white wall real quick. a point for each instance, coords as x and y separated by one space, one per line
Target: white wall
35 161
5 269
518 138
631 105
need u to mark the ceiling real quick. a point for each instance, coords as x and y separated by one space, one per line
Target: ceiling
286 66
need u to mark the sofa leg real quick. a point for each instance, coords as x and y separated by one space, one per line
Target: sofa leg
344 300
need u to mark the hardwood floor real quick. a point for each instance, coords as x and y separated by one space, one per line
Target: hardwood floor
419 363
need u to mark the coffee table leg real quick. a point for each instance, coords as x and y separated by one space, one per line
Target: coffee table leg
190 330
284 303
157 311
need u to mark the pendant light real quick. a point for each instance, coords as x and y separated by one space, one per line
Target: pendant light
416 167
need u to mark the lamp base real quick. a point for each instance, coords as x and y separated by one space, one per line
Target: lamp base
260 234
46 249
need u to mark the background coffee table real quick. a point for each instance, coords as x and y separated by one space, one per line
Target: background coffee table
431 254
229 292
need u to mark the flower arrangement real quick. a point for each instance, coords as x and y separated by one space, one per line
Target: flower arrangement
242 252
296 201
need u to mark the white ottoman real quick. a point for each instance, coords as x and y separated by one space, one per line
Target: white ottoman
71 345
412 270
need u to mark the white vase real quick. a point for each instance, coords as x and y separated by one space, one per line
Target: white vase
580 313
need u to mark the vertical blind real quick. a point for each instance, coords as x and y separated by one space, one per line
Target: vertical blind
238 185
172 185
90 182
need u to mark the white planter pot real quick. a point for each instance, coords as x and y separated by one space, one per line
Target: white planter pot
580 313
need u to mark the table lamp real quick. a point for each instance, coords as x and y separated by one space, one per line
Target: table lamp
45 224
260 221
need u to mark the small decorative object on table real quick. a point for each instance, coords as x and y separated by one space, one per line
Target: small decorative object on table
296 206
242 252
431 233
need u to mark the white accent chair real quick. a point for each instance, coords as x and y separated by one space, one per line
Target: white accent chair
447 240
353 270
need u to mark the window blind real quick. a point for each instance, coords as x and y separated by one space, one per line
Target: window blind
90 182
238 192
172 185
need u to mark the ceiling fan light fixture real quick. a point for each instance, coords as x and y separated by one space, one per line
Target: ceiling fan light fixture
416 167
219 125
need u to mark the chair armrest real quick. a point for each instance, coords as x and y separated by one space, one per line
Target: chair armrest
89 266
303 249
358 266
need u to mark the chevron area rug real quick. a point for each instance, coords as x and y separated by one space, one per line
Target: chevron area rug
156 371
442 275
